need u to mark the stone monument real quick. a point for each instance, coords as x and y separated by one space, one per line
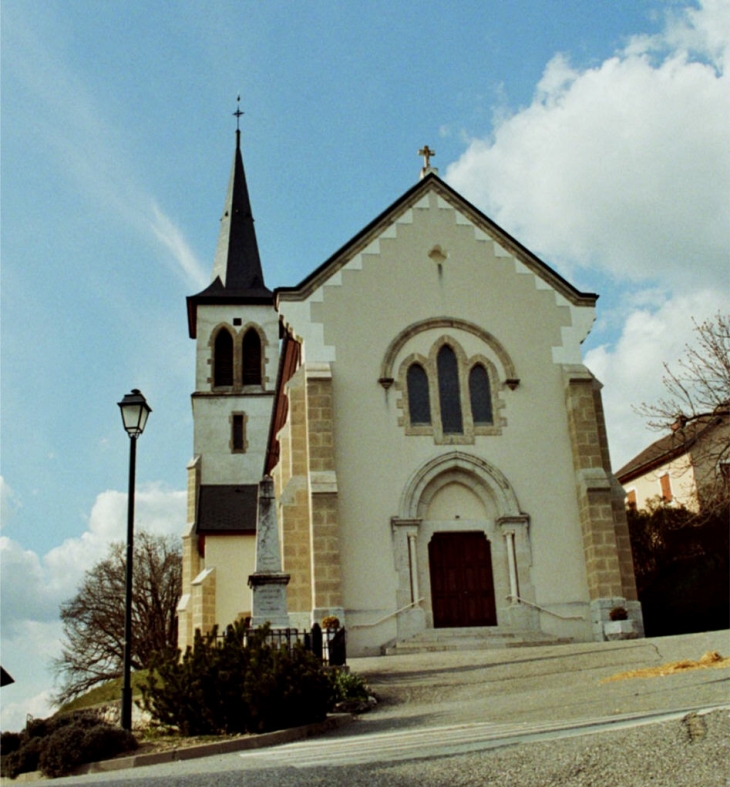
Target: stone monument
268 582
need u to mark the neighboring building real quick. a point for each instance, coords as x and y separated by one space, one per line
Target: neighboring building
437 446
687 467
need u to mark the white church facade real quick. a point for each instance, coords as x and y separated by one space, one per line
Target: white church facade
437 447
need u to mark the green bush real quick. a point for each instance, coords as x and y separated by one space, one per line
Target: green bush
24 759
221 685
9 742
73 745
347 686
682 568
59 744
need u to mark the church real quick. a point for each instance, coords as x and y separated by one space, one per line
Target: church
437 448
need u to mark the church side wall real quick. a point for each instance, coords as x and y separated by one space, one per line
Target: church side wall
326 568
606 542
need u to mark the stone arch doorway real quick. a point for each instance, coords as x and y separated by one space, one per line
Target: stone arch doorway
462 581
458 493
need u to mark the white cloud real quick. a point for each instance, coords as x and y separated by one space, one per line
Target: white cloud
156 510
14 714
25 656
633 368
33 588
24 587
624 169
172 239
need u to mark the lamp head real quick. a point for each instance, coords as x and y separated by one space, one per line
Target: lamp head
135 411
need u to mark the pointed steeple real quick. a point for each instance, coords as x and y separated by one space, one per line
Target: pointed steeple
237 263
237 273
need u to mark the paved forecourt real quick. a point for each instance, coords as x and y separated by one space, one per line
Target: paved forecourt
542 685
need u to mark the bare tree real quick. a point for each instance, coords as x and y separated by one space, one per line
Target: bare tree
93 620
696 408
699 385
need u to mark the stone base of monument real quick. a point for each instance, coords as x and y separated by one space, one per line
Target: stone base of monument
269 599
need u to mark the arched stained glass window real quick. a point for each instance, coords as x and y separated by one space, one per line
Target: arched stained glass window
223 359
419 403
480 395
251 365
449 396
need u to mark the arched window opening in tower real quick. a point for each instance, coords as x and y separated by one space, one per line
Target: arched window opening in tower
223 359
251 365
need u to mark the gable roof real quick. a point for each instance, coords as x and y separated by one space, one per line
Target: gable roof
675 444
432 182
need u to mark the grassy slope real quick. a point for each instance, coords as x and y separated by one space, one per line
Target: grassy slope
106 693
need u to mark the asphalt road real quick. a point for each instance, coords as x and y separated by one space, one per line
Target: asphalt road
537 716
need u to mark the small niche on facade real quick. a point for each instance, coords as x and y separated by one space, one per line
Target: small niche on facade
438 255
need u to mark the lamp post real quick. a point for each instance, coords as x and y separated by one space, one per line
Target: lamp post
135 410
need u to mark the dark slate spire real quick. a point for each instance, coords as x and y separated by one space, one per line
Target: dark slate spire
237 263
237 274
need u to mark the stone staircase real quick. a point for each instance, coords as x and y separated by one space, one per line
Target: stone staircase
476 638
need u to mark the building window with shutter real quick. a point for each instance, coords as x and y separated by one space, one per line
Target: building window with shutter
666 487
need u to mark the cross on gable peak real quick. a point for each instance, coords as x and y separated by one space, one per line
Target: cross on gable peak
426 152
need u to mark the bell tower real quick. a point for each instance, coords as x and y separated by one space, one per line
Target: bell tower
236 328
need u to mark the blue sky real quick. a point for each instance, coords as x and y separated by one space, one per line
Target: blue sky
594 132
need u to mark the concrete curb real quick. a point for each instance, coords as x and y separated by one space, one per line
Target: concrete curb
333 722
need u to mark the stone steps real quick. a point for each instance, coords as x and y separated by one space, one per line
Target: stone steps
478 638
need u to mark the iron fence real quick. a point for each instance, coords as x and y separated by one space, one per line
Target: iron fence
329 645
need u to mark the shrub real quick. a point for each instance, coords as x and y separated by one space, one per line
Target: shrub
347 686
62 751
73 745
221 685
9 742
24 759
60 743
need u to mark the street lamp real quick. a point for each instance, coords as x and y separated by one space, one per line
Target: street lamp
135 411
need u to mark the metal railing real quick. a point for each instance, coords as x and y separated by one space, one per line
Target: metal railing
329 645
388 616
542 609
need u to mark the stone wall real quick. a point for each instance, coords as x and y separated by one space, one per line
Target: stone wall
606 544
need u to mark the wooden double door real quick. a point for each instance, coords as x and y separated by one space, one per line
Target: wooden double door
462 584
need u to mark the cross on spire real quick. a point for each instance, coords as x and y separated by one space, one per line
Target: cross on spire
426 152
237 114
